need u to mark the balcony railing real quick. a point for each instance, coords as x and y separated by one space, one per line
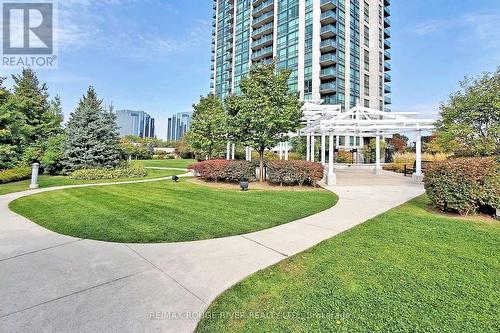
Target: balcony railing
328 87
264 5
328 59
387 66
387 33
387 89
329 16
263 19
387 55
328 45
328 73
262 53
387 100
387 44
263 41
387 77
387 22
328 4
263 30
328 31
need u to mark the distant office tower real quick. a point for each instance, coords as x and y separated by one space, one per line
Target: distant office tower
337 50
178 125
137 123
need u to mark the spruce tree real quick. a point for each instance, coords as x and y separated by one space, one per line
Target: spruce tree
93 139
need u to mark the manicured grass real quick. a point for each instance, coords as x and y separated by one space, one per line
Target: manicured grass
165 211
407 270
166 163
51 181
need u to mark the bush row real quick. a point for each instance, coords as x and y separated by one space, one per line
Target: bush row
14 175
464 185
224 170
135 171
294 172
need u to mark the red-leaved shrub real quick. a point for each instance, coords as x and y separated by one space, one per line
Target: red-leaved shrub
464 185
224 170
294 172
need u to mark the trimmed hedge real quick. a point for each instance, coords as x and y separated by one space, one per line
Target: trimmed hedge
464 185
135 171
14 175
295 172
224 170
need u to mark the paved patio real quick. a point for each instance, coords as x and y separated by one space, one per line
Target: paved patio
50 282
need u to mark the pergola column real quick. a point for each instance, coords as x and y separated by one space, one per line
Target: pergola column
331 178
228 151
308 148
286 151
418 176
378 165
233 151
313 150
281 150
323 149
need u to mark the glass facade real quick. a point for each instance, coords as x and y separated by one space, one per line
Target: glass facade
339 47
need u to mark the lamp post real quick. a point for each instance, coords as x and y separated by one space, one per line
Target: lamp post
34 175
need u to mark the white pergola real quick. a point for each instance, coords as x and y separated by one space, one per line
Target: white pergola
360 122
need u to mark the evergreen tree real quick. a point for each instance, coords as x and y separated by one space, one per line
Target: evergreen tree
93 139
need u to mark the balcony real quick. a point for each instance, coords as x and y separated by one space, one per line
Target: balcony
387 2
387 89
387 66
328 59
387 11
387 55
387 100
263 19
328 17
328 4
328 31
328 73
262 42
328 87
387 78
387 44
263 8
387 33
262 53
387 22
263 30
328 45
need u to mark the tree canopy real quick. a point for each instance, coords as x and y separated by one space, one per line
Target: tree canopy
470 121
265 112
208 130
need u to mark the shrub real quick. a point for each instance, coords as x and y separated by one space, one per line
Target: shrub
294 172
344 156
14 175
409 158
464 185
135 171
397 167
224 170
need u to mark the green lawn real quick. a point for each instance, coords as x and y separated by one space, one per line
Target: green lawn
165 211
407 270
166 163
51 181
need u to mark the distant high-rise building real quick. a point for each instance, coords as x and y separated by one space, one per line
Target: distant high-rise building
178 125
337 50
137 123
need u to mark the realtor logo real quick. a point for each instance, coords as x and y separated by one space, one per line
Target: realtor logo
28 34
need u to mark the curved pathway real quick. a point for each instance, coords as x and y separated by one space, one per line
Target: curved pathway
50 282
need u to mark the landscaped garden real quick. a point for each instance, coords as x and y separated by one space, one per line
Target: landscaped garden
166 211
407 270
52 181
174 163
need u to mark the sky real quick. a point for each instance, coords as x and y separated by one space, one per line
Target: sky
154 55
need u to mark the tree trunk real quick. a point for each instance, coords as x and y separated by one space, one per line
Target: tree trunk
261 166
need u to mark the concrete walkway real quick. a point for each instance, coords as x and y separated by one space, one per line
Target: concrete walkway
50 282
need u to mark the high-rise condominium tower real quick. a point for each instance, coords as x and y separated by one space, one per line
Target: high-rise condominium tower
337 50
